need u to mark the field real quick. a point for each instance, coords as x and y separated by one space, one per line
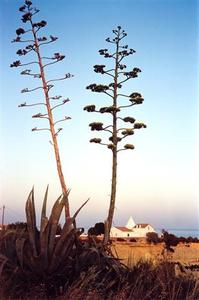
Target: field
130 253
89 272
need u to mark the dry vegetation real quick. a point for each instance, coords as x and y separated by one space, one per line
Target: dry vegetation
131 253
144 281
88 270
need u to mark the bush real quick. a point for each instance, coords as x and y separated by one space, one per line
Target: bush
132 240
152 238
17 226
195 240
182 239
170 240
98 229
121 240
191 239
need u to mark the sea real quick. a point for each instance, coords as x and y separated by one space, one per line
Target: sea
181 232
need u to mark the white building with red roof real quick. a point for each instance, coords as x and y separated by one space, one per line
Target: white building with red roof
131 229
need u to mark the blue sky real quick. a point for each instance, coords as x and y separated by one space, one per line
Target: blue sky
157 182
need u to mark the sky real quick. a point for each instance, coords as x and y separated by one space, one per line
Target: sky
157 182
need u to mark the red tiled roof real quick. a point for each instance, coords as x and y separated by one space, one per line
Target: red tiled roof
142 225
123 228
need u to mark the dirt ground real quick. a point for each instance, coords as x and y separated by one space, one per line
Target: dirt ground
130 253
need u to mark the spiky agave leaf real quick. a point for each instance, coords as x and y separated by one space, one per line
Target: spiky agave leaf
65 243
20 243
31 222
3 261
66 239
49 229
8 244
43 233
43 212
54 221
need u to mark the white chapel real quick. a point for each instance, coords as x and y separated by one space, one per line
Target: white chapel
131 229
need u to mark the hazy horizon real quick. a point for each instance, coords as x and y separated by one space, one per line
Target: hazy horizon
157 182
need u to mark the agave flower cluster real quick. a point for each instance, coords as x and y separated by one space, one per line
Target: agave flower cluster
118 75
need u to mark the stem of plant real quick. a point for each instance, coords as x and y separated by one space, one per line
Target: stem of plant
52 128
114 152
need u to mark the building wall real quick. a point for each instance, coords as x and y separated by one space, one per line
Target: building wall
135 232
118 233
142 232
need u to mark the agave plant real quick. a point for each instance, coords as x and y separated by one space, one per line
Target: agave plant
38 263
39 258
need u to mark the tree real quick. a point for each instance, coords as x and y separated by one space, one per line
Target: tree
98 229
34 43
117 131
170 240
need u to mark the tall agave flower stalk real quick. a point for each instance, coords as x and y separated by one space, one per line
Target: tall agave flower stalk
117 131
34 42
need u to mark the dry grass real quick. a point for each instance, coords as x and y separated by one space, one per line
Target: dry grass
131 253
37 265
145 281
104 277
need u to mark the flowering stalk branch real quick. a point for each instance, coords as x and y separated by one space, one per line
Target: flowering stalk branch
122 95
52 63
32 90
65 119
61 78
124 106
29 105
40 129
49 42
108 94
21 65
27 72
21 41
64 102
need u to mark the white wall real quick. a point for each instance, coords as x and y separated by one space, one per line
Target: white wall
118 233
136 232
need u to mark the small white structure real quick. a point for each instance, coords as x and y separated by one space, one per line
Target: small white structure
131 230
131 223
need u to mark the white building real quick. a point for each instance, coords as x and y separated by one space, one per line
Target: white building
131 229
